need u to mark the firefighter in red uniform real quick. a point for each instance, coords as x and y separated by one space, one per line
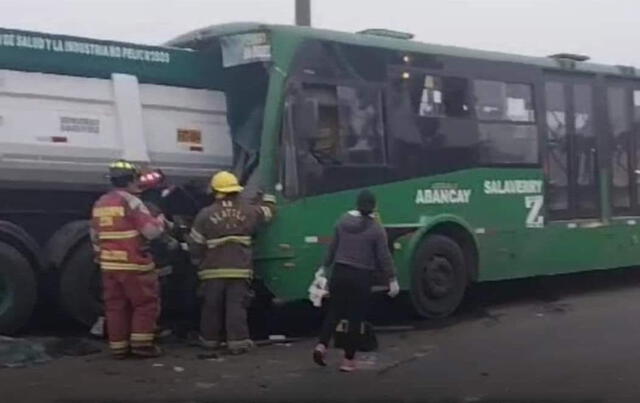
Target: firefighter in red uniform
121 229
220 242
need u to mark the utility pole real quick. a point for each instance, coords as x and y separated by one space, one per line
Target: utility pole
303 12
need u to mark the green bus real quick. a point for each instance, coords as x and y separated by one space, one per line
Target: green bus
488 166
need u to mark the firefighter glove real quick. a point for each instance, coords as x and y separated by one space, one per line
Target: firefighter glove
394 288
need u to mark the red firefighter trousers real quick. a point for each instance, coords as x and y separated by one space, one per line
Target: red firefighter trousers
132 307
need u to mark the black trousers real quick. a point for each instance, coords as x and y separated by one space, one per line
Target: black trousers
349 292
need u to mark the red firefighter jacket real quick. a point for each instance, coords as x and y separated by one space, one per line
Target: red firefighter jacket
121 228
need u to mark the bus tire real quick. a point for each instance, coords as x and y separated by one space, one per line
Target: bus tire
81 285
18 289
439 277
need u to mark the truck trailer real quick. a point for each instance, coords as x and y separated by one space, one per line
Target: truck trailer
69 106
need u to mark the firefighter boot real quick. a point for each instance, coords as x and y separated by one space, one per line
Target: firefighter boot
151 351
210 345
240 346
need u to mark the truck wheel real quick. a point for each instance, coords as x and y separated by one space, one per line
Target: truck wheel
439 278
18 290
81 285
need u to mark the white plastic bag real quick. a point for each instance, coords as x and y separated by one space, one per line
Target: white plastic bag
318 288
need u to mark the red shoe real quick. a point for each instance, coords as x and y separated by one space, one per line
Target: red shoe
318 355
348 365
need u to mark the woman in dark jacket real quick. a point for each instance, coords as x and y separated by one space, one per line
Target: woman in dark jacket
359 247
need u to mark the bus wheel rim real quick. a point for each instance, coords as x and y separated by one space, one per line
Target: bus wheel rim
438 277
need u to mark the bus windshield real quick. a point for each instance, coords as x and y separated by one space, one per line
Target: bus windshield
245 61
242 72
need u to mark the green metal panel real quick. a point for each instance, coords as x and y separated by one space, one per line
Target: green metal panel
508 247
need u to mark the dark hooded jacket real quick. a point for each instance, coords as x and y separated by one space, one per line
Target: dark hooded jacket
360 242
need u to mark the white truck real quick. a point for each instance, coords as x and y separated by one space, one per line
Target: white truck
69 106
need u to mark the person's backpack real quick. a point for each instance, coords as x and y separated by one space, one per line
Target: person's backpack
367 340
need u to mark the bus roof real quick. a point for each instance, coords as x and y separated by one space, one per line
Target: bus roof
402 45
76 56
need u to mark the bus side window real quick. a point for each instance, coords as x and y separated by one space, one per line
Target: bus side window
442 96
361 136
347 129
429 123
319 129
508 134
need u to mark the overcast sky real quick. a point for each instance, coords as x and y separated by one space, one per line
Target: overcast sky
606 30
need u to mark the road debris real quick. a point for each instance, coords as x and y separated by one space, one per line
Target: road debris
19 353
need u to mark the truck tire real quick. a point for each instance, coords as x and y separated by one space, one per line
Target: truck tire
439 277
17 237
81 285
18 290
64 240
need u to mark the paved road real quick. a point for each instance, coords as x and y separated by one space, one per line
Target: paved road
568 339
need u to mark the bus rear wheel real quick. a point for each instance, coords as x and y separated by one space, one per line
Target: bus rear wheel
439 277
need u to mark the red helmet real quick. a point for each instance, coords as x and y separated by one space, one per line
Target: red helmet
151 179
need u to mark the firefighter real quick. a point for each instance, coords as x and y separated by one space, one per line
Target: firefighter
220 243
121 230
152 185
152 188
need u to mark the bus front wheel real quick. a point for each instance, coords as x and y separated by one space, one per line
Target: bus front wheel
438 278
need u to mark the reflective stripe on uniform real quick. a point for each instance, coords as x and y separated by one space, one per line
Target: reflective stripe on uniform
141 336
108 211
117 255
141 339
106 235
117 266
197 237
266 211
242 240
269 198
119 345
209 274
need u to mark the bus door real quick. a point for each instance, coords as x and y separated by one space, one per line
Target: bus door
571 160
623 111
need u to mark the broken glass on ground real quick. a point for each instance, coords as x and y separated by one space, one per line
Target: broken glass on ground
19 353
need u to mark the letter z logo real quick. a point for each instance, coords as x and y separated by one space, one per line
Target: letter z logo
534 217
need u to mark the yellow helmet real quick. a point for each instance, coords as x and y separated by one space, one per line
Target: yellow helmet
225 182
122 168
